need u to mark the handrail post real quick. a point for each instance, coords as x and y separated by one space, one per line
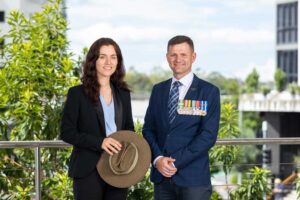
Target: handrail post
37 172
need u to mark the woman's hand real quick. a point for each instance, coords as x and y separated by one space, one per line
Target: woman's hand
111 146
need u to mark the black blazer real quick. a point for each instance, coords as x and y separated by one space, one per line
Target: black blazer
83 126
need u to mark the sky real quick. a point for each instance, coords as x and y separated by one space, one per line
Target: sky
230 37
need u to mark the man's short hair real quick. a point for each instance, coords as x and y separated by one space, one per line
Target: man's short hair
179 39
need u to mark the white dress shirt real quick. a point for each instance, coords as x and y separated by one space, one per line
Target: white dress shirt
186 83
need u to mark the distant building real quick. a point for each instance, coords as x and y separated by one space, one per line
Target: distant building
287 39
281 110
28 7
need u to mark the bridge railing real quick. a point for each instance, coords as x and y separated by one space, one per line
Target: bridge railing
37 145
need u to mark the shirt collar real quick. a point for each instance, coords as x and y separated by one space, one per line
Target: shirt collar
186 80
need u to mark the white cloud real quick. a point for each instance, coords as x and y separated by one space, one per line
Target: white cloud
265 70
154 20
236 36
130 33
155 10
249 6
125 32
142 28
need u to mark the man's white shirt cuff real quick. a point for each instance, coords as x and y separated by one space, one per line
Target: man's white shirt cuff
155 160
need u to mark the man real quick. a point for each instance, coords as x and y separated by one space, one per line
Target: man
181 125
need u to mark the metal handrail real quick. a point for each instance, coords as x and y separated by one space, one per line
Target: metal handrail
259 141
37 145
237 141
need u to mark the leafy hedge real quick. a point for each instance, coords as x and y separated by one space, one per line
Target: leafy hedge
35 72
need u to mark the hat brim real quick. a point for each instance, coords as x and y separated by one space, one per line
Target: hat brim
138 173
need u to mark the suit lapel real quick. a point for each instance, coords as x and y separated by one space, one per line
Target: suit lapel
118 111
165 99
193 90
118 107
100 116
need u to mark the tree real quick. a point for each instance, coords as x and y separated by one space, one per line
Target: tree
227 86
37 71
254 187
218 80
252 81
226 154
232 86
159 74
251 125
142 82
265 89
279 77
293 88
138 82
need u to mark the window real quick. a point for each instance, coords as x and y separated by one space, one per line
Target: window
287 61
279 16
292 13
296 14
2 16
287 23
279 37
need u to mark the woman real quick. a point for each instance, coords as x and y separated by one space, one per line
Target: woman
94 110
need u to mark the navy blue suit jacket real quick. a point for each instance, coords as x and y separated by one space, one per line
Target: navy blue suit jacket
188 138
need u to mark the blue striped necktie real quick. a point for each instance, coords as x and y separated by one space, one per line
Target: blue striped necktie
173 101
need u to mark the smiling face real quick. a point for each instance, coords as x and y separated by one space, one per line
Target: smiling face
107 61
180 58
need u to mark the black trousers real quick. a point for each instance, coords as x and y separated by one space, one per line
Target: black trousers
167 190
93 187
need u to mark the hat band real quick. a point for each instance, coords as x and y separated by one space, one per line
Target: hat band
132 165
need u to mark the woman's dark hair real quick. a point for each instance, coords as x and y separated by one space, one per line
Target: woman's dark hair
89 78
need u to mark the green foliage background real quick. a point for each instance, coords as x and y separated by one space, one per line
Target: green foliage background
255 185
252 82
36 71
280 79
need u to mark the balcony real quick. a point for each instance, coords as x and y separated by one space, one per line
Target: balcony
218 184
272 102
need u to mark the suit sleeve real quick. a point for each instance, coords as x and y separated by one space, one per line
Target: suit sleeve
129 121
69 131
149 128
207 136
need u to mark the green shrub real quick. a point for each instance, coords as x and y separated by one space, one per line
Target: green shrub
36 72
254 187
